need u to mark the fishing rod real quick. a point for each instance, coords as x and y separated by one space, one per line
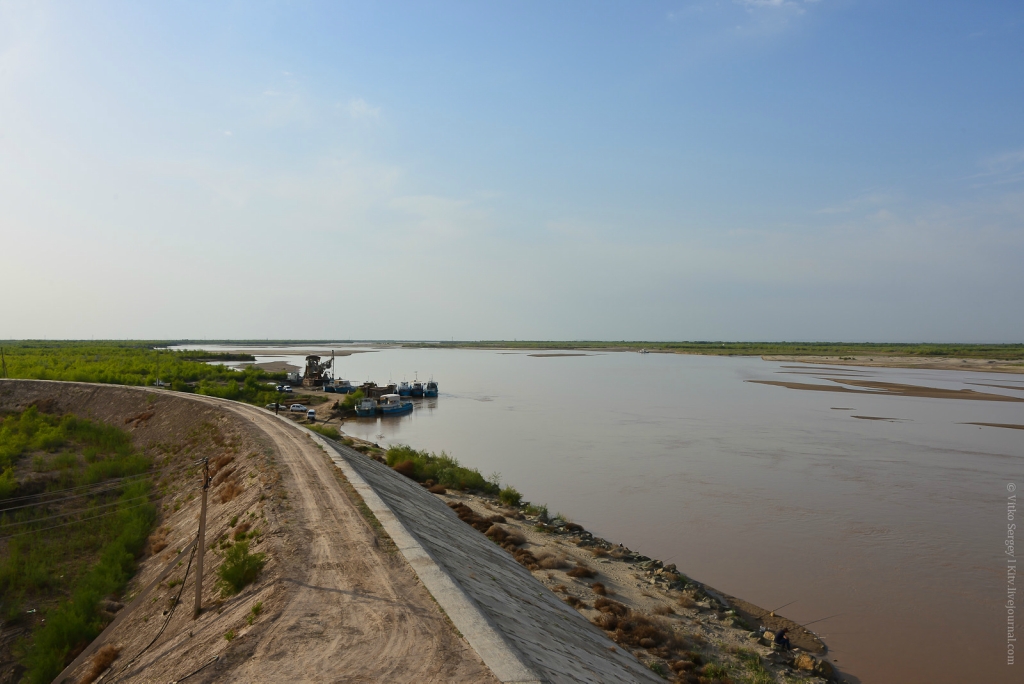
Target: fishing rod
772 612
821 619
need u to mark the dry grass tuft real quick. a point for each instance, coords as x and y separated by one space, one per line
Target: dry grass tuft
664 610
222 475
241 530
407 468
100 662
222 461
437 489
230 490
687 601
581 571
599 589
575 602
598 552
158 540
550 561
497 519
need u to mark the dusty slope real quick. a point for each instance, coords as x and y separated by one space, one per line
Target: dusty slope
336 603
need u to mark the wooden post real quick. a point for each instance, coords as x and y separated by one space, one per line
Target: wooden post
4 359
201 549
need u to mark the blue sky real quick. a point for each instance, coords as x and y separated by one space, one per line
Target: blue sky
739 169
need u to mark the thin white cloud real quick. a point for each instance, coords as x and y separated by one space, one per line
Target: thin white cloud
360 110
1001 169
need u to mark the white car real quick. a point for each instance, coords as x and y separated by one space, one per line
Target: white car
297 408
311 415
286 388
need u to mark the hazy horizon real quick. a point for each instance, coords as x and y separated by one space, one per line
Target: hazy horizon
847 170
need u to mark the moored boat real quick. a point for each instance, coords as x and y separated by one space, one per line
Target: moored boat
404 389
366 408
417 389
392 404
342 386
430 390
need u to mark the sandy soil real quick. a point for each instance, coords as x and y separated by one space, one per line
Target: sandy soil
875 387
338 602
942 363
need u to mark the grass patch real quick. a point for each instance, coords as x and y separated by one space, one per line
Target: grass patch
326 431
54 562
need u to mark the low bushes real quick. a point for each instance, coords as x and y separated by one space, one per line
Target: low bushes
441 468
510 496
331 432
239 569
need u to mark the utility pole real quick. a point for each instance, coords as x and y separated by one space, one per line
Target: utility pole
201 548
4 360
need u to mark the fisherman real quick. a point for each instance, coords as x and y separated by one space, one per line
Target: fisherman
781 640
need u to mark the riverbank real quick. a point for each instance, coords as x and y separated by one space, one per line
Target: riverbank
677 626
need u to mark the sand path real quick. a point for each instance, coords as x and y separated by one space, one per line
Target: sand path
355 611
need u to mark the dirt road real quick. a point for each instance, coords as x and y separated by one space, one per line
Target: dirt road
353 611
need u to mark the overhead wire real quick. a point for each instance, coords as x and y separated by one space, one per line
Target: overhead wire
64 515
73 522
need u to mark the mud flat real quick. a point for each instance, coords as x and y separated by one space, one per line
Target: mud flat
930 363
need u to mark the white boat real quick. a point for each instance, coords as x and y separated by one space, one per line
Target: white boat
393 404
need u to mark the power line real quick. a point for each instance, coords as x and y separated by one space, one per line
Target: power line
114 481
74 522
64 515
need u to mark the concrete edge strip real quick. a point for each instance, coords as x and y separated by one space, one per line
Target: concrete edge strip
498 655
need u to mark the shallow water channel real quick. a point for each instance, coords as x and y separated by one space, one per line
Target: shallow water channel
885 515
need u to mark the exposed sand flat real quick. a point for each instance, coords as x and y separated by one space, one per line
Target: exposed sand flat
550 355
890 389
941 363
1011 426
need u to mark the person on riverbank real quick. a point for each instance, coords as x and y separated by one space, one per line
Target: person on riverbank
781 640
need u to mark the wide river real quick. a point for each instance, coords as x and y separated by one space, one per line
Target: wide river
889 535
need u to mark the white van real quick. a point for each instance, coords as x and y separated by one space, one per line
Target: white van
311 415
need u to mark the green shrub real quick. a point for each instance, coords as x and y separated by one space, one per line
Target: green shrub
326 431
8 484
441 468
350 401
533 509
510 496
239 569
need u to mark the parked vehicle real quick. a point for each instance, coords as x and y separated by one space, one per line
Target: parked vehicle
311 415
392 404
431 389
297 408
367 407
276 406
286 388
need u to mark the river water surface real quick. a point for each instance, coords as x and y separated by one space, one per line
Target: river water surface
889 534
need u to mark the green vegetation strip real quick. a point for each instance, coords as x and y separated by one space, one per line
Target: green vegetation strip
141 363
82 544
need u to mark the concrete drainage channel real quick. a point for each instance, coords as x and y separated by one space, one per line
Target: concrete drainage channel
521 631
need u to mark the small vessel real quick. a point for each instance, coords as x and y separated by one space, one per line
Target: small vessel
392 404
343 386
404 389
431 389
367 407
417 389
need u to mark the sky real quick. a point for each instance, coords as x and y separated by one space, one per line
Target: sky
848 170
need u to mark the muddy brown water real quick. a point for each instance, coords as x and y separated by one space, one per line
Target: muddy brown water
891 529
